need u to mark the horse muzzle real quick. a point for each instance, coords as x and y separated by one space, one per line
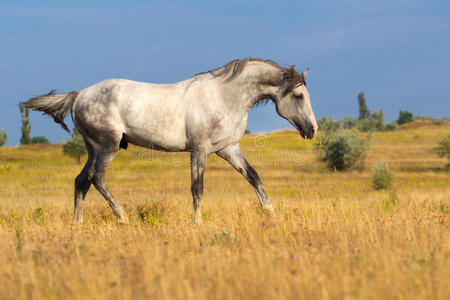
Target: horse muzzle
306 130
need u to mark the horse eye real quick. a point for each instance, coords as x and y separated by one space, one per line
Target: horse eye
299 96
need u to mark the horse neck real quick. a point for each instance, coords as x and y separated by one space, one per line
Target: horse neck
254 85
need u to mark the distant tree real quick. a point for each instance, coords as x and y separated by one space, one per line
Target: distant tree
364 112
3 137
39 140
75 146
26 127
329 124
247 131
405 117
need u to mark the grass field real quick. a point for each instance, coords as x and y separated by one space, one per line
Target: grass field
334 236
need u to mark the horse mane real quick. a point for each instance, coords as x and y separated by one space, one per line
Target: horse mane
235 67
289 79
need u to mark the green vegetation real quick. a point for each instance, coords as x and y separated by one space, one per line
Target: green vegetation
404 117
372 122
3 137
329 124
343 150
39 140
391 126
364 112
26 127
383 176
443 149
349 123
75 147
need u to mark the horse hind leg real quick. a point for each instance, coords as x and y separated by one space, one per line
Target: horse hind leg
102 162
82 184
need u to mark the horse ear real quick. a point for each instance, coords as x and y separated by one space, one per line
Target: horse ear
305 73
291 71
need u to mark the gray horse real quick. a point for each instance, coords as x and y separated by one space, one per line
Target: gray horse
203 114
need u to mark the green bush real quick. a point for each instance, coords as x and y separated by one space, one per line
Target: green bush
383 176
154 214
443 149
39 140
391 126
375 122
342 150
405 117
441 120
349 123
75 146
329 124
3 137
365 125
377 119
437 121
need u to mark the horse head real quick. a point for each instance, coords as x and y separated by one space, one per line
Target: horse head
293 103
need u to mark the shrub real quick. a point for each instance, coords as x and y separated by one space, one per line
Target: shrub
329 124
365 125
75 147
343 150
383 176
375 122
441 120
39 140
3 137
443 149
349 123
377 119
391 126
154 214
391 202
437 121
404 117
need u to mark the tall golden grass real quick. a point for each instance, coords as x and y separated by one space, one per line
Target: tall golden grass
334 235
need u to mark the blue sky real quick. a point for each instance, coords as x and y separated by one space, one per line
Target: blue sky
396 52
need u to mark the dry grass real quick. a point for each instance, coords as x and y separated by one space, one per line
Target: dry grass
334 237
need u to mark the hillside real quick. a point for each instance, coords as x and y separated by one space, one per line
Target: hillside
335 236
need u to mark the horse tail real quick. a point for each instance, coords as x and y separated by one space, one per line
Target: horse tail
55 105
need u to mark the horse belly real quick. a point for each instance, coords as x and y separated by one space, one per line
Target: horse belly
155 139
156 129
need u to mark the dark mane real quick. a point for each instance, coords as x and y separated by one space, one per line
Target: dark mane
235 67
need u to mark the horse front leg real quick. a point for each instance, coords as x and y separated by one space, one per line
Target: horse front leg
198 161
235 157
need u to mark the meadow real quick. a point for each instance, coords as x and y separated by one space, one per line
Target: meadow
334 237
